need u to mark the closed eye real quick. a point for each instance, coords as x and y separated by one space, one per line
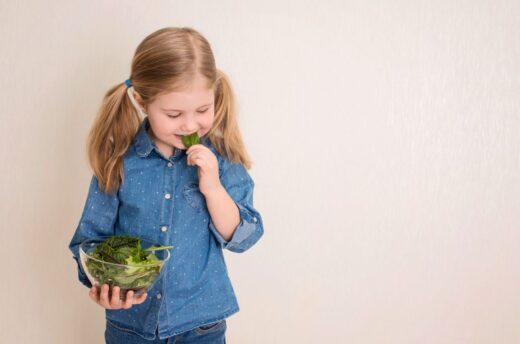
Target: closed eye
175 116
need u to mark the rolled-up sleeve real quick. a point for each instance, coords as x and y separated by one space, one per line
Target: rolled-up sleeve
239 185
98 218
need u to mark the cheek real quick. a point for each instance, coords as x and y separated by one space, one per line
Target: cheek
164 128
207 121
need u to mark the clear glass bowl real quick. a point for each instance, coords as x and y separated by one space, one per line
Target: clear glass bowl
136 277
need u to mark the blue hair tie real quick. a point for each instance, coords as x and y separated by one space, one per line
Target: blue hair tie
128 83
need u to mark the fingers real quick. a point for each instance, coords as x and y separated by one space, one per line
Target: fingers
129 300
197 152
197 161
194 148
103 297
93 293
201 156
192 156
107 301
114 301
141 298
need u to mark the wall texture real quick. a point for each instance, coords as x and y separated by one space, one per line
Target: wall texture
386 147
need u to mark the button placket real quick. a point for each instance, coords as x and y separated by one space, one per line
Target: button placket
168 199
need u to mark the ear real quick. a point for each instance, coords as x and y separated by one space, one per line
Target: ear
139 101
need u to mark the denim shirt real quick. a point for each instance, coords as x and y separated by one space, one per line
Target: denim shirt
159 200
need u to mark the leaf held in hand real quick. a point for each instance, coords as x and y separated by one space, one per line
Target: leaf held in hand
190 140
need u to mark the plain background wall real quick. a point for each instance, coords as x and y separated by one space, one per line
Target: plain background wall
386 147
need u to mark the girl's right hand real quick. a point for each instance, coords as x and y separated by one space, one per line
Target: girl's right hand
102 299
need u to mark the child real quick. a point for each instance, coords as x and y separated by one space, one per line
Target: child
147 184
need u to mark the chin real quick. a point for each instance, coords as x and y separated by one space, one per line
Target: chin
178 146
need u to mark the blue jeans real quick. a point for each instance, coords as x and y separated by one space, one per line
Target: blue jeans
210 334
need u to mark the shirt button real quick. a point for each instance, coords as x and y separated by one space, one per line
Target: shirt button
159 296
164 228
170 164
255 219
167 196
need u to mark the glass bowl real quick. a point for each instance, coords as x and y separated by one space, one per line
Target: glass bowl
136 277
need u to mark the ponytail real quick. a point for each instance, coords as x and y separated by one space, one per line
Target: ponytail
225 134
114 128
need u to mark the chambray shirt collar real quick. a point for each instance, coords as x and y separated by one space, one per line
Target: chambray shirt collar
144 143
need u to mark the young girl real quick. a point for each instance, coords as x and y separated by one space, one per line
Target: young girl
147 184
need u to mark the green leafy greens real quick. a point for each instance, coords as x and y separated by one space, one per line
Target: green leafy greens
138 268
190 140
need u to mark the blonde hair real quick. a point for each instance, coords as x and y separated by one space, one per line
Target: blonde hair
164 61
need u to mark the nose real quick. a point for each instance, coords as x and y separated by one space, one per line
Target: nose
189 126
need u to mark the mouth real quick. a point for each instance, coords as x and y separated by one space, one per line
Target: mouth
181 136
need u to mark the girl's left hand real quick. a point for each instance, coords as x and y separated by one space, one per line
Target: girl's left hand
207 162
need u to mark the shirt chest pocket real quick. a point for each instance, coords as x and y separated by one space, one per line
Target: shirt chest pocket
194 197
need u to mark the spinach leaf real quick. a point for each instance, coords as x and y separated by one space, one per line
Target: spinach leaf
190 140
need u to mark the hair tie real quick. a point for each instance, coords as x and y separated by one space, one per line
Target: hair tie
128 83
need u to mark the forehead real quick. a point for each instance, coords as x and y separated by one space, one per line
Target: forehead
192 96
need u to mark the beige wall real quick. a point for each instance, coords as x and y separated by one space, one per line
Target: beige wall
386 143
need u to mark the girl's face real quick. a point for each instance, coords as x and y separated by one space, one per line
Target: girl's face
172 115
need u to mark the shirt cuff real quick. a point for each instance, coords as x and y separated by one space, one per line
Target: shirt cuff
246 227
81 274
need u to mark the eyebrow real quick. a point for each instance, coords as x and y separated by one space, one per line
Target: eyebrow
183 110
